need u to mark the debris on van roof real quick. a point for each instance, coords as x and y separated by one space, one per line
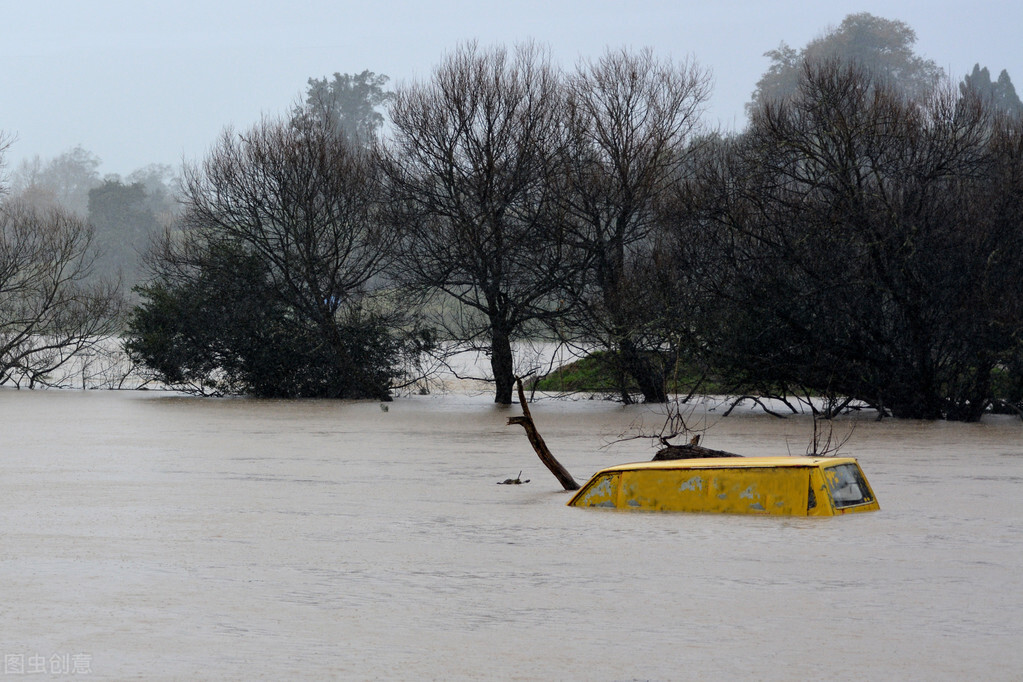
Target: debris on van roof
690 450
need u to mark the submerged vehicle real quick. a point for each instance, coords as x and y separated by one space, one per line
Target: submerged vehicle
786 486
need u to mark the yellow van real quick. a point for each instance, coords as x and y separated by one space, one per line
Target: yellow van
786 486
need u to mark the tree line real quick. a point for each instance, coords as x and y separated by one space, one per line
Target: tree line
855 243
510 200
69 245
858 243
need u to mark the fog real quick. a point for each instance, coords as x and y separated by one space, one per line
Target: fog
138 85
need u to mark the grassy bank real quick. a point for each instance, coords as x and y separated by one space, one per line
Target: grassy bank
595 374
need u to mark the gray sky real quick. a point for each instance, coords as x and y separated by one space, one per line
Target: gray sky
137 84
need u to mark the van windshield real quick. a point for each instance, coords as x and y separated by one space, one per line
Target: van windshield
847 485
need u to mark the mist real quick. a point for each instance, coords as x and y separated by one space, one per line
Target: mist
138 86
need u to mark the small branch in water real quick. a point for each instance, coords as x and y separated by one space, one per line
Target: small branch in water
513 481
759 402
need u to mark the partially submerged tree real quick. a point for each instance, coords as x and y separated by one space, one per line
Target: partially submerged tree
49 313
861 247
472 186
631 120
226 330
270 290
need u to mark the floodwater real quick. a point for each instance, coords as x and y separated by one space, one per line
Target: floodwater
159 537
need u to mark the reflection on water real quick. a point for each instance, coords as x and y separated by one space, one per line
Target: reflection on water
176 538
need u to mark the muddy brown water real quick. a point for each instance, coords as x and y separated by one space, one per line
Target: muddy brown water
152 536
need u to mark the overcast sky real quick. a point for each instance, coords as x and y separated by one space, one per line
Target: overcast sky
136 84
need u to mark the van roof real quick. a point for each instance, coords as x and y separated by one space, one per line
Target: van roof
733 463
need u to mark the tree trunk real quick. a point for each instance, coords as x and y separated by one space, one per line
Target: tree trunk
502 367
649 379
526 420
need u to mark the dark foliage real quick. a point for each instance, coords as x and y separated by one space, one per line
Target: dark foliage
227 331
864 245
269 290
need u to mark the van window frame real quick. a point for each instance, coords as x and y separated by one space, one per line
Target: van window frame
830 479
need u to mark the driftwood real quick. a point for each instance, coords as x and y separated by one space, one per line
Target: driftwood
526 420
691 450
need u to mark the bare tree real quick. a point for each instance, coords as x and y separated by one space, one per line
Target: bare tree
471 175
304 199
48 314
64 180
631 119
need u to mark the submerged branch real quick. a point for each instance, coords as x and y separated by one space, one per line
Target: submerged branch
526 420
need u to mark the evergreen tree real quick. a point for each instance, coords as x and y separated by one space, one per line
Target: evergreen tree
1001 93
348 102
